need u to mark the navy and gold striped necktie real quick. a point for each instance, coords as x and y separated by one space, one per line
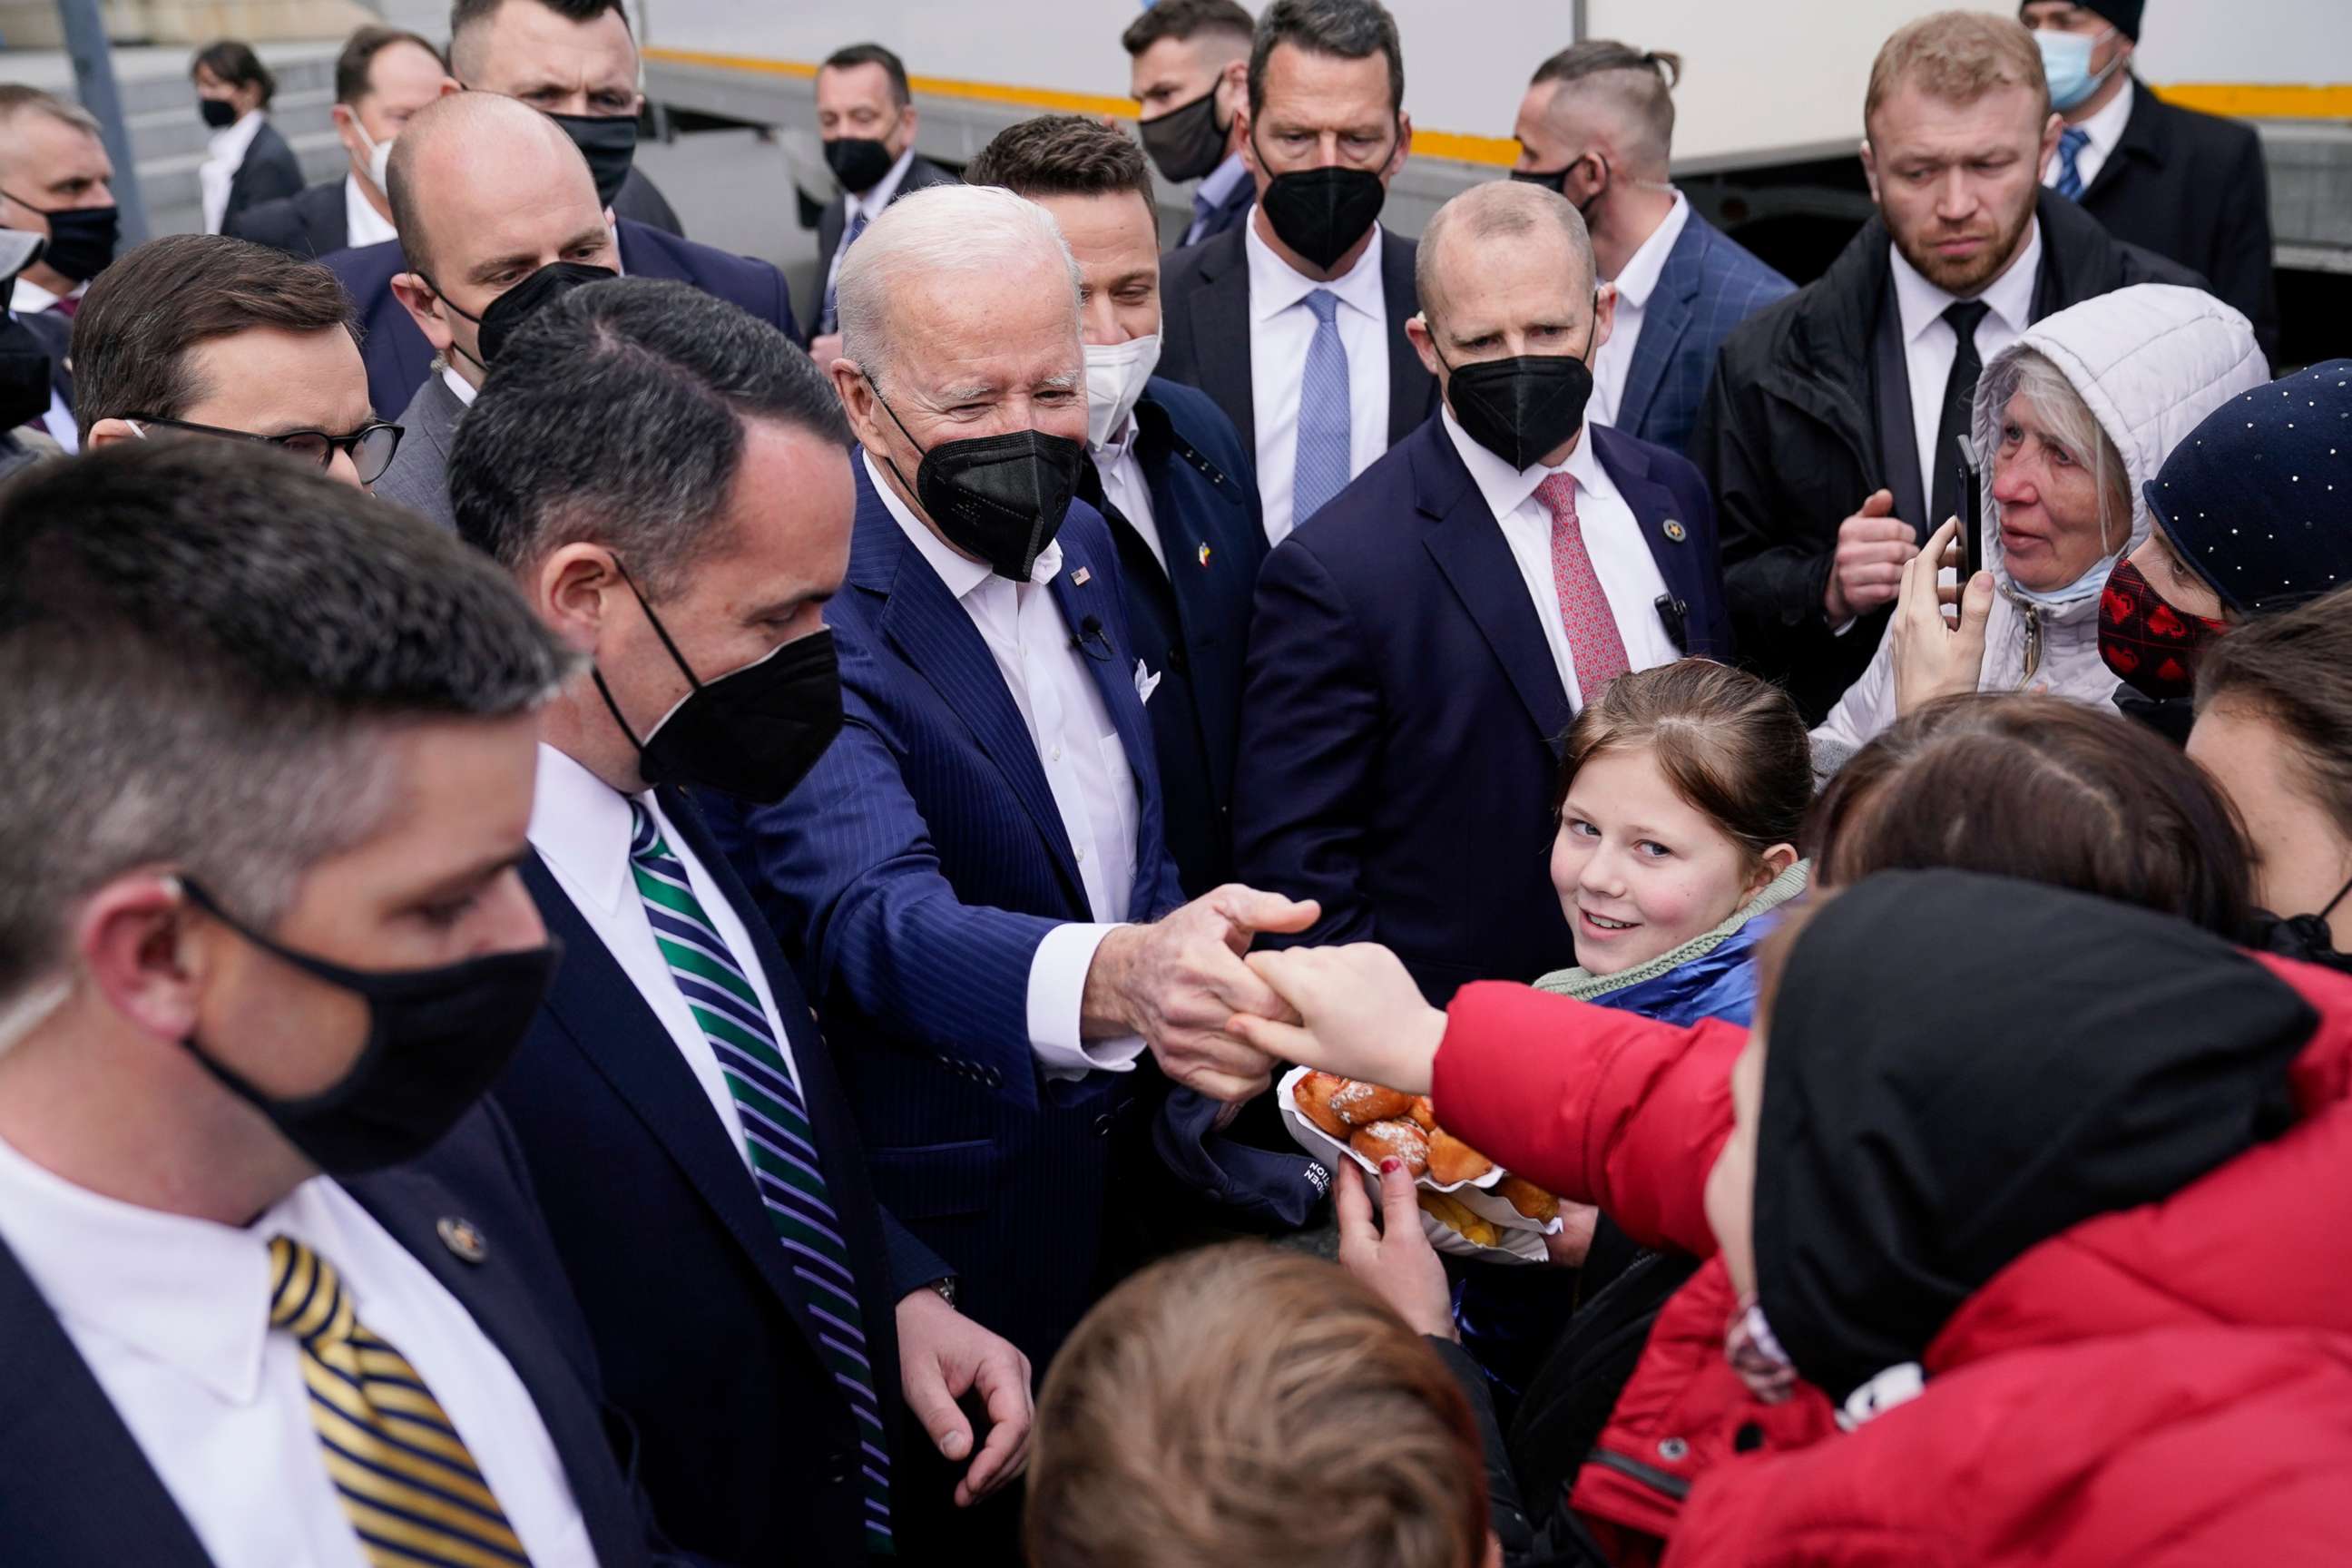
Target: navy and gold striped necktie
404 1477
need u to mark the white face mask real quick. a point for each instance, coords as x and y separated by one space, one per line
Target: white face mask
1115 376
379 156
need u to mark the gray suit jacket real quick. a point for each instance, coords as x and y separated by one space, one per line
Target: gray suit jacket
419 476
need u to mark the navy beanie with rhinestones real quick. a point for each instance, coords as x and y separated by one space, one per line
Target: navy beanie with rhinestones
2258 499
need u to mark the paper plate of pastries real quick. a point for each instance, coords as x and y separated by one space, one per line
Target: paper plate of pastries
1470 1207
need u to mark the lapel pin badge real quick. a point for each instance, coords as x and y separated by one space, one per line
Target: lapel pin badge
1081 577
1204 554
1676 531
463 1238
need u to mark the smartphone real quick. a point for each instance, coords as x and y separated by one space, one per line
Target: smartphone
1970 492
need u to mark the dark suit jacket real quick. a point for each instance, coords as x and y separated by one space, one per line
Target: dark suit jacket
2193 187
269 172
921 174
1709 286
398 358
1401 720
79 1490
313 221
1204 330
53 329
1226 215
639 200
747 1446
418 477
911 878
1189 620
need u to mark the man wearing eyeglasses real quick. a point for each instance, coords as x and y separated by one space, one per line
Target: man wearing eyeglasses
224 339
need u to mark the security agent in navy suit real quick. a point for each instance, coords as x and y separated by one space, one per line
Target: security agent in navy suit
474 226
1190 76
867 116
1324 133
248 1034
1166 471
1597 125
1417 656
961 880
763 1362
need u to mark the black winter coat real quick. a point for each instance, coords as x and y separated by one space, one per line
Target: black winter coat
1788 439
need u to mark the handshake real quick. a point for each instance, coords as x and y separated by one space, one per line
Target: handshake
1217 1017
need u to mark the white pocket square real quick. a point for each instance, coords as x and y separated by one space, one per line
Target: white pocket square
1146 683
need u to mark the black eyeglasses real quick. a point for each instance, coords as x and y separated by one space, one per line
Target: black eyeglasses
370 447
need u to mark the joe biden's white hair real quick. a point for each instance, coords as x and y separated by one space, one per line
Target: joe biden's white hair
925 240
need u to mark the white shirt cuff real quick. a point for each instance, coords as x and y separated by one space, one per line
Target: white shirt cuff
1057 988
1845 625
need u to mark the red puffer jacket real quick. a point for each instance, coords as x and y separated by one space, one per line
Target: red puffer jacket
1609 1107
2169 1385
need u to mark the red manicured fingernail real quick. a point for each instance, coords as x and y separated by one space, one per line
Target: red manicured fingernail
1391 1163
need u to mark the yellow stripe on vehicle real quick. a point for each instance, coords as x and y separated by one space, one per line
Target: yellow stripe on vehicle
2246 100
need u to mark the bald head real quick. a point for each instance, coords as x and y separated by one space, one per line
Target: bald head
474 154
485 192
1536 225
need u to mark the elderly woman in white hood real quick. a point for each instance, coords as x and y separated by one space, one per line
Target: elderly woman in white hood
2070 421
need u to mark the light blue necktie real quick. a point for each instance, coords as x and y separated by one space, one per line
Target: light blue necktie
1323 420
2071 143
829 321
785 1164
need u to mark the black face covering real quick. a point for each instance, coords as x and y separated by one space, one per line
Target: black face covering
755 731
1322 213
2308 938
1557 180
1523 407
438 1040
609 143
511 310
24 374
999 498
858 162
218 112
1186 143
527 298
2069 1056
81 239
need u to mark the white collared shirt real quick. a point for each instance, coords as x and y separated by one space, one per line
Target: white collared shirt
30 298
463 390
1614 362
1613 540
581 827
362 224
2105 129
1123 482
171 1316
870 204
1085 766
1929 344
224 156
1282 326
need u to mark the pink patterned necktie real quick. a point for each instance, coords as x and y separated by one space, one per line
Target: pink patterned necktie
1592 639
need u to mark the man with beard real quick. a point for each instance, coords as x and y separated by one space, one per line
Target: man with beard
1830 435
1294 323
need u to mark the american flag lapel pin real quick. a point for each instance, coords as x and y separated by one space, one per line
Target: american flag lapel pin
1080 578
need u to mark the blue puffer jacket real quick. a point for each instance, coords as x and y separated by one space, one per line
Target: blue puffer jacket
1509 1317
1710 976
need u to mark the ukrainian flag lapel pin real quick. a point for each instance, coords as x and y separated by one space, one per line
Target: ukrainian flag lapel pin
1204 554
